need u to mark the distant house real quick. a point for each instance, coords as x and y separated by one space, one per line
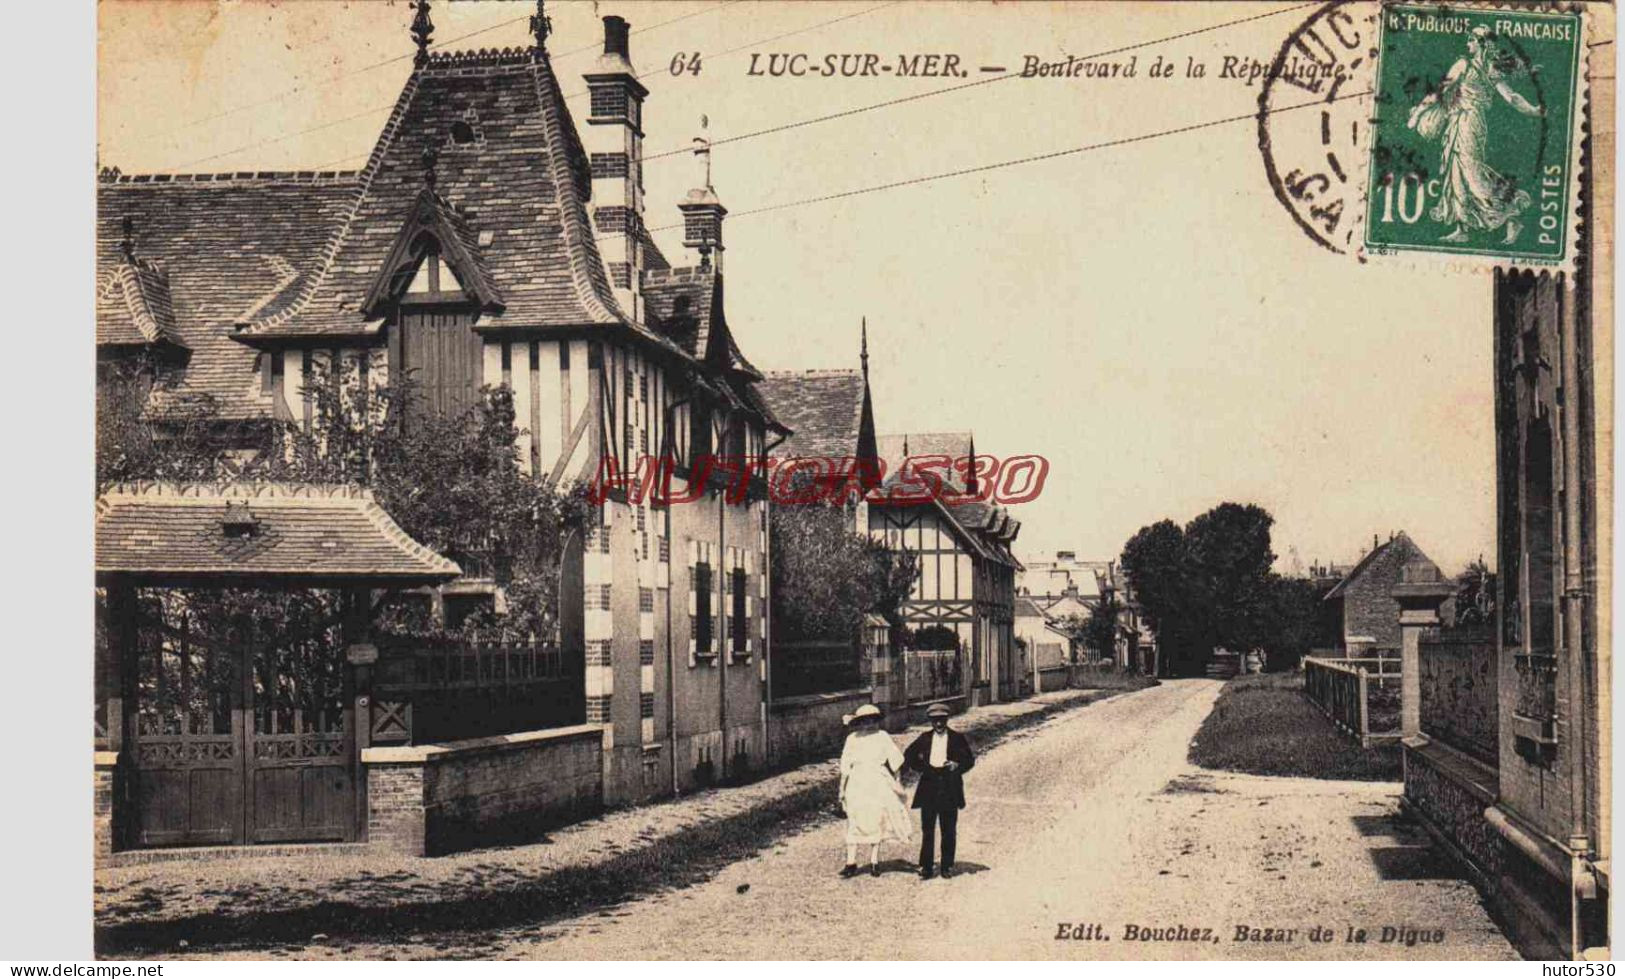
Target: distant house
1363 604
1050 651
1069 587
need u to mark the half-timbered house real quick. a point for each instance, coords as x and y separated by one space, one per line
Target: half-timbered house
489 242
959 619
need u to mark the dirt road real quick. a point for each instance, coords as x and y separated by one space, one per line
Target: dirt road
1090 825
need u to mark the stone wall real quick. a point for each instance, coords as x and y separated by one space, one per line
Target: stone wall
432 799
1451 792
809 728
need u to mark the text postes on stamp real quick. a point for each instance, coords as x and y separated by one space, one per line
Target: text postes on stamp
1473 150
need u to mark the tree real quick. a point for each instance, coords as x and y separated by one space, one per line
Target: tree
1206 585
1476 596
826 577
1294 627
452 482
1155 563
1099 631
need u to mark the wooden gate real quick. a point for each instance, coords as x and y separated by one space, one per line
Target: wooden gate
239 738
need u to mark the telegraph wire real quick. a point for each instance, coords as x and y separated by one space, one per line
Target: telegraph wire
1038 158
858 110
304 86
959 88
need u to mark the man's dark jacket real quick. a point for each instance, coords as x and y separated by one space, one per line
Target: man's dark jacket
940 788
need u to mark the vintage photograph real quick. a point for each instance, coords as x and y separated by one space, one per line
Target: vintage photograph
873 480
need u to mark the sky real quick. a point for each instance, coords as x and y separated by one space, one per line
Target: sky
1146 315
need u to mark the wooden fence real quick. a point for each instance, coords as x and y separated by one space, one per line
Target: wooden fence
815 666
429 690
1360 695
933 674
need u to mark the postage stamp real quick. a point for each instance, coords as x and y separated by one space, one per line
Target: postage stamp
1474 146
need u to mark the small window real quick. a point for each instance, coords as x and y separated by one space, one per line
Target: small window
738 623
702 607
462 133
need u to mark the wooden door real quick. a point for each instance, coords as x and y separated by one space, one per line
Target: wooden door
299 782
241 738
442 355
188 738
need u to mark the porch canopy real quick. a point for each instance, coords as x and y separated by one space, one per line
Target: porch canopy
256 535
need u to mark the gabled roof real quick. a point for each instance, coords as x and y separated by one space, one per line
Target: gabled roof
134 307
460 247
521 186
679 304
1401 541
259 258
227 244
160 532
823 407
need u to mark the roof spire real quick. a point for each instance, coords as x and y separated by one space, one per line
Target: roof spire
970 474
540 27
128 244
863 350
422 30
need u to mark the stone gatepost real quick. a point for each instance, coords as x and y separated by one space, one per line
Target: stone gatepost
1420 593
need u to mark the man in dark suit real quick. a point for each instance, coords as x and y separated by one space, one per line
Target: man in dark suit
942 757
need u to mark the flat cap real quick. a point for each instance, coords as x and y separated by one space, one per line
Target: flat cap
938 710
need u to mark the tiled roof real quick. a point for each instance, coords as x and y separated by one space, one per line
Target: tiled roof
226 245
678 305
261 257
522 184
991 525
301 533
1028 607
824 408
1401 540
133 306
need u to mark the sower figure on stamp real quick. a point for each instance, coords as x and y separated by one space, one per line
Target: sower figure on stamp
942 757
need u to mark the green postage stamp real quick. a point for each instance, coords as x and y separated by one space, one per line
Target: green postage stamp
1474 148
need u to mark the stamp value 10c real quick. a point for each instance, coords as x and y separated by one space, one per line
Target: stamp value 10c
1473 148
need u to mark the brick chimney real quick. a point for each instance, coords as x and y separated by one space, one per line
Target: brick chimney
702 211
613 139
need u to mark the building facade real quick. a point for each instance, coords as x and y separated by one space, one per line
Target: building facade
959 618
489 242
1509 763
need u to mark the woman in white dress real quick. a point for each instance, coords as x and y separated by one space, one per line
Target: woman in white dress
1472 194
870 793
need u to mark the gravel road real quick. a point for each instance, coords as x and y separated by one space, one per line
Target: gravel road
1091 826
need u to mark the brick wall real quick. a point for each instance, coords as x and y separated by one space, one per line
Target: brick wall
102 813
1369 607
395 807
442 798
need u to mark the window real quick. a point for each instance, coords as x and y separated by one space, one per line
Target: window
699 438
703 625
462 133
738 624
